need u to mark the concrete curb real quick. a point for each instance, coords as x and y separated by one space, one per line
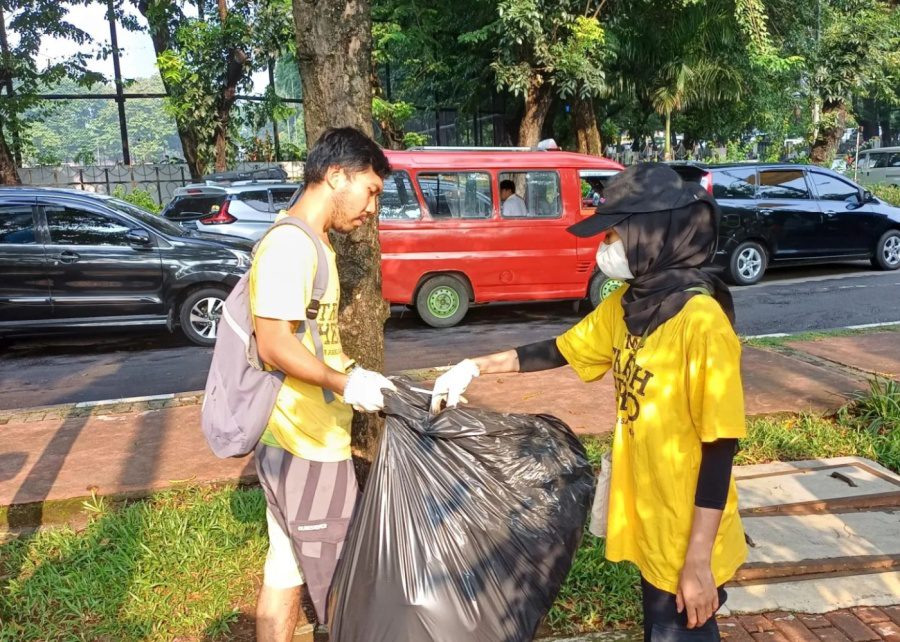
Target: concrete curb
143 404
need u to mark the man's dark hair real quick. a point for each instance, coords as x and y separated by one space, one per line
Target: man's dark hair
347 148
508 184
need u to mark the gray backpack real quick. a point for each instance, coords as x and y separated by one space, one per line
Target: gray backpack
240 393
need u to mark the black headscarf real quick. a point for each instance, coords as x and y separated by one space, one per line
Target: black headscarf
665 251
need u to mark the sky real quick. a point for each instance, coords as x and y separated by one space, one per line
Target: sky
137 58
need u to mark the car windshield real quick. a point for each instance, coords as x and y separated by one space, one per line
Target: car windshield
158 223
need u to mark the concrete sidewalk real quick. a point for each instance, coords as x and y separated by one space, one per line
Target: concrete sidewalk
52 456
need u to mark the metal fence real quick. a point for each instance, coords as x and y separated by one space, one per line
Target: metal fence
160 181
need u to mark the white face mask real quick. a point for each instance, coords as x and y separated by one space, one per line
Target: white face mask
612 261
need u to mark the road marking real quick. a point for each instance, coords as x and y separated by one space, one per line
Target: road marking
779 335
774 335
872 325
811 279
111 402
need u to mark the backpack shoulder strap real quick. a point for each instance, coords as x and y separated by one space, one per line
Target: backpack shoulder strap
320 286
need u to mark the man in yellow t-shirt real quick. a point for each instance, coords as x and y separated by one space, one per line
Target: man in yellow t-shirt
669 341
303 459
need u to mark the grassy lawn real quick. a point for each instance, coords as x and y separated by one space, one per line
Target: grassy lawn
185 563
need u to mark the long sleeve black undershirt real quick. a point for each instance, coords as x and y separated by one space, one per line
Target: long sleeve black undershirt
717 459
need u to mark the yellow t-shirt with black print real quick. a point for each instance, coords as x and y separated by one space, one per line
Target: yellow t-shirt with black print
680 388
281 285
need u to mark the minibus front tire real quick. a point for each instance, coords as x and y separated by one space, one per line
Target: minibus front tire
600 287
442 301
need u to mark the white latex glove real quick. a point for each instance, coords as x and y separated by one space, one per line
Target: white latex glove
452 384
363 390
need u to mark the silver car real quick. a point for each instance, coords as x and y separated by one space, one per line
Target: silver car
241 208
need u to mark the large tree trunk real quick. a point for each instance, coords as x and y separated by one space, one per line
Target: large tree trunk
538 99
334 49
831 128
586 128
159 27
235 70
9 175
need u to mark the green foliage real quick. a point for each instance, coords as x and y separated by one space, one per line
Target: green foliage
412 139
205 61
889 193
140 197
28 25
86 132
546 41
859 51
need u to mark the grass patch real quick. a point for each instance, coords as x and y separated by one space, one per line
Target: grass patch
180 564
780 342
185 562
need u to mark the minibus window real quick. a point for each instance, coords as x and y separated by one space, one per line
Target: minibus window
398 201
457 194
539 191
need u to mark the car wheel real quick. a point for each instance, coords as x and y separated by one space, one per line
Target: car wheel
442 301
200 313
747 263
887 251
600 287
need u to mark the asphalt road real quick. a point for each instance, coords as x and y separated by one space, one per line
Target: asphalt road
103 365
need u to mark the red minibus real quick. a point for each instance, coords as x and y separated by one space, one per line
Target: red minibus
448 240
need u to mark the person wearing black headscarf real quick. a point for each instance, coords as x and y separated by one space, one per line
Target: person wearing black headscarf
668 338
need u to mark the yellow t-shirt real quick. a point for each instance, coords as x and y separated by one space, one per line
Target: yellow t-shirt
281 284
683 387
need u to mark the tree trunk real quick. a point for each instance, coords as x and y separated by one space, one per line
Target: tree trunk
161 36
667 154
586 128
334 49
538 99
9 175
831 128
237 61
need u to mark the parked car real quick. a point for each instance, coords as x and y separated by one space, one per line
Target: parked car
793 214
71 259
244 208
445 244
879 166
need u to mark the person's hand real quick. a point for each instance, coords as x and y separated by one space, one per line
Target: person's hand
450 385
697 593
363 390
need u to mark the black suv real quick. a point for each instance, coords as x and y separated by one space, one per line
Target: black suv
74 259
789 214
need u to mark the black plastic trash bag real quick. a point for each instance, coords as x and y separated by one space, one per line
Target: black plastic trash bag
467 527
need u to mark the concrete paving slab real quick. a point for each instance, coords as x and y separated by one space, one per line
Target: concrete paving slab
791 539
878 353
827 484
818 595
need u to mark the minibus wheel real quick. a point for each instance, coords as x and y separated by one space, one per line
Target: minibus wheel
601 287
442 301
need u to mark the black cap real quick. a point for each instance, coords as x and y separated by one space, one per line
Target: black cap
640 189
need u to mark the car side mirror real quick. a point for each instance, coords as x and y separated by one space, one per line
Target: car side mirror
868 197
138 237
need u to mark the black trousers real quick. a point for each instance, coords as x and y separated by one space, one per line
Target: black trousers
663 622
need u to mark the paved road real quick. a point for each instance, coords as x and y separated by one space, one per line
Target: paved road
92 366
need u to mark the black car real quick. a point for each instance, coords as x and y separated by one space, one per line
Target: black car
791 214
71 259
